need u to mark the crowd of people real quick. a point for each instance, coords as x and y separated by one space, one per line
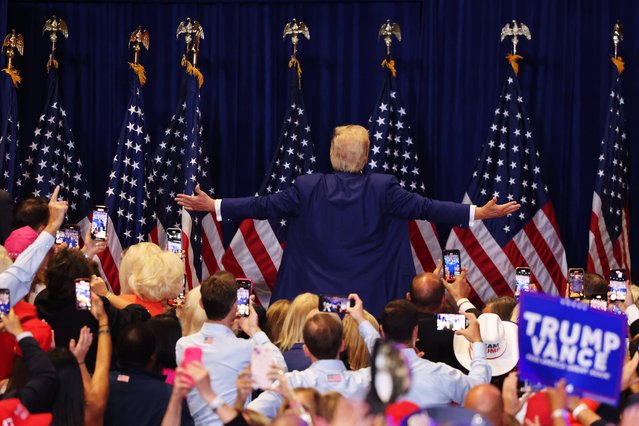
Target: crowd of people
135 359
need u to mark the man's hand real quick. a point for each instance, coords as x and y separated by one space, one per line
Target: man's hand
492 210
512 402
199 202
57 211
250 324
98 286
472 332
11 323
200 376
80 349
357 311
93 247
244 385
97 310
460 288
439 268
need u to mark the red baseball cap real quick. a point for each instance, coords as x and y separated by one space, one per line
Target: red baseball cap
12 409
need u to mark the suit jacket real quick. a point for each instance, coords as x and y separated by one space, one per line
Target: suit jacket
346 233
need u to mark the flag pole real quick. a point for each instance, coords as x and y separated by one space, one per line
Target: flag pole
294 28
13 42
388 30
617 36
53 26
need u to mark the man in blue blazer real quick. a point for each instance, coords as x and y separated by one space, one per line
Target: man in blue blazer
347 232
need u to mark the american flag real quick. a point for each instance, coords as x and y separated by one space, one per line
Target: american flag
127 198
179 164
609 246
9 140
393 151
508 168
53 160
256 249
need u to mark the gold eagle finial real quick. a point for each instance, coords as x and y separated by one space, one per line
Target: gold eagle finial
139 37
294 28
388 30
53 26
11 43
193 33
515 31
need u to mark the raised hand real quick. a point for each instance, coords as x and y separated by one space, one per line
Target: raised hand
198 202
492 210
57 211
80 348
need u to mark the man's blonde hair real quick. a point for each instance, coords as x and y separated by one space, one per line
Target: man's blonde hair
151 273
349 148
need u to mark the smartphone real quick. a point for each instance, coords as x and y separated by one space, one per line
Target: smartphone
522 280
192 353
177 301
99 222
72 236
576 283
261 363
617 285
599 302
174 240
82 294
59 236
452 265
333 303
5 301
244 288
452 322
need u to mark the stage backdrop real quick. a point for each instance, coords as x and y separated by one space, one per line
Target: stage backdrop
450 66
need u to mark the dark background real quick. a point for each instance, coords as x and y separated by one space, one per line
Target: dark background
450 65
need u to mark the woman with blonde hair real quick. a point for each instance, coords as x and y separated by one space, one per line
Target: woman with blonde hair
191 313
290 339
355 349
275 315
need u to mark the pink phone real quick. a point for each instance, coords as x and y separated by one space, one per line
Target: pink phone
192 353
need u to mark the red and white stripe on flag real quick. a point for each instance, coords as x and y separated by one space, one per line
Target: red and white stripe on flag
491 268
255 253
424 245
603 253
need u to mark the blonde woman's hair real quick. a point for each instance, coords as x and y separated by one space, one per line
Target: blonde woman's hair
151 273
293 326
5 260
275 315
354 345
349 148
328 404
191 313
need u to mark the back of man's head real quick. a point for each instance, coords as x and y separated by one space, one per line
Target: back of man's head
33 212
594 284
219 293
349 148
398 320
322 335
135 346
486 400
427 292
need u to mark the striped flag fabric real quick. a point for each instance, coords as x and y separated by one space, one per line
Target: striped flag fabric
53 160
256 249
10 178
609 244
393 151
178 165
508 168
127 197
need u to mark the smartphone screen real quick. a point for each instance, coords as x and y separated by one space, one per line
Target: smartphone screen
617 285
576 283
452 265
5 300
72 236
82 294
261 363
452 322
244 286
59 236
599 302
174 240
99 223
522 280
333 303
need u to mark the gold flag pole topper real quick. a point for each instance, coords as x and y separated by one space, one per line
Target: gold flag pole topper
139 38
387 31
54 26
515 31
11 43
617 37
193 33
294 28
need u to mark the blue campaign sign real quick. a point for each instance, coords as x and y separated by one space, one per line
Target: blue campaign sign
561 338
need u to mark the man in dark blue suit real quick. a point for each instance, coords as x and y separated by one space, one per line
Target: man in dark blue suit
347 232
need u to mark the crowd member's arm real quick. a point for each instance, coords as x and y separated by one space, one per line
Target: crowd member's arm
631 310
509 393
181 387
99 287
79 350
92 247
244 388
250 326
18 277
583 414
284 203
39 392
558 403
96 400
459 291
480 372
366 329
